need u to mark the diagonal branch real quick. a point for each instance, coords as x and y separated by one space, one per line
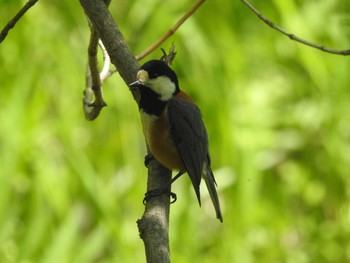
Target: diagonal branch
163 38
17 17
294 37
170 32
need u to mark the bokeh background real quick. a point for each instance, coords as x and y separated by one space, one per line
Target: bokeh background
277 114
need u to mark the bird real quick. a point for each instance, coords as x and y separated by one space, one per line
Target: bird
173 127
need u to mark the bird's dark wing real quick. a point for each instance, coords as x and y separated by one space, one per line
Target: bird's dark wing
190 137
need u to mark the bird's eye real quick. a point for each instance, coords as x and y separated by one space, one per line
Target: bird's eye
153 75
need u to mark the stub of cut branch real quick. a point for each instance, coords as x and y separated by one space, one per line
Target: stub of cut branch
294 37
168 58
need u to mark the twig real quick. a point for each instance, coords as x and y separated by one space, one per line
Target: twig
161 40
170 32
17 17
294 37
93 101
106 62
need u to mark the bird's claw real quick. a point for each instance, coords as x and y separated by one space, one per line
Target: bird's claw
148 157
157 192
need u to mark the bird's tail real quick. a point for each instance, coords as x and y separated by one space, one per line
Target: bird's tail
209 179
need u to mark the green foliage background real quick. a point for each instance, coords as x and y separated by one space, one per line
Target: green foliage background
277 114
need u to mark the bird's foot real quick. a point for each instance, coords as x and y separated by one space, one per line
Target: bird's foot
157 192
148 157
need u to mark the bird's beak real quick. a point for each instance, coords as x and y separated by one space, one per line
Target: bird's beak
135 84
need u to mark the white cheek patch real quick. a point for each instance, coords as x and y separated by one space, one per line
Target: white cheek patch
162 86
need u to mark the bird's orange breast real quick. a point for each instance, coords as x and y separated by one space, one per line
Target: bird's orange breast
160 142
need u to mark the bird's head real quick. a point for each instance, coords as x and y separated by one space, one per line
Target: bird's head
159 77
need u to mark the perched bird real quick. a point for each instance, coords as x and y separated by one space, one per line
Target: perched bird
173 127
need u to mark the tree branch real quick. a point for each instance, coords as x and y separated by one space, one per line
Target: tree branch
154 224
294 37
93 106
170 32
120 54
93 101
17 17
106 62
162 39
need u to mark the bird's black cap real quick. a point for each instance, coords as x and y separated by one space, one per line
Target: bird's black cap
156 68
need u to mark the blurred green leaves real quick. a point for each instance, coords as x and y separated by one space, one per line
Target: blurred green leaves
277 114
